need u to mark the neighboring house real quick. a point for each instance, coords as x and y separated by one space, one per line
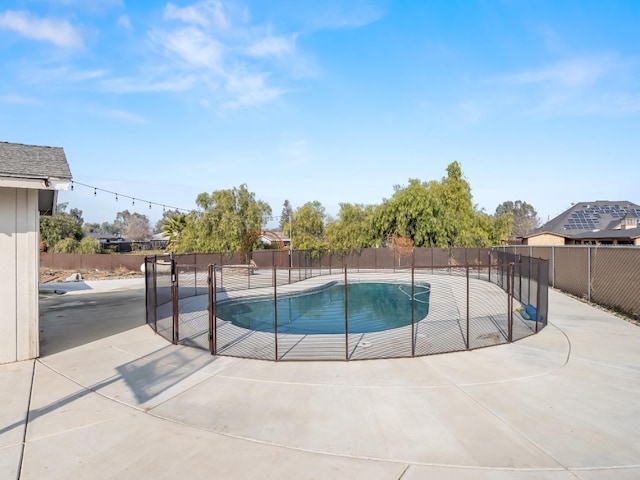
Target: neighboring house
107 240
591 223
30 177
105 237
159 241
117 244
268 237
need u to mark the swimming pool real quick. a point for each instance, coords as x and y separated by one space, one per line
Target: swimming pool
371 307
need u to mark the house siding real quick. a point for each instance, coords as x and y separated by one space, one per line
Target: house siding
19 226
545 239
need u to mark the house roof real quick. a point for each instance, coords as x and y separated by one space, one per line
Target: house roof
104 236
592 220
621 233
545 232
33 162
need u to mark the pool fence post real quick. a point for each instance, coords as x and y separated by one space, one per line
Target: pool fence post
155 293
215 310
589 274
468 338
432 260
529 280
275 312
174 299
510 281
538 295
519 260
413 309
346 316
210 280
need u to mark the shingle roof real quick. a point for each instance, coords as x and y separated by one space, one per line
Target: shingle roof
626 233
32 161
589 217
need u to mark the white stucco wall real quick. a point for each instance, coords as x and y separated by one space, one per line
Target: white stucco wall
19 264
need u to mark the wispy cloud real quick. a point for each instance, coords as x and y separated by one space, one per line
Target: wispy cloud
93 3
234 63
154 83
190 45
125 22
204 14
333 14
57 31
579 85
575 72
18 100
272 46
295 152
125 116
65 73
249 89
593 104
213 49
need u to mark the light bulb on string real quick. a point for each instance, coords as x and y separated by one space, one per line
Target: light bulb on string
117 197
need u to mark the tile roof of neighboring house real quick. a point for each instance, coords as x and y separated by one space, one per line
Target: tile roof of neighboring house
592 219
32 161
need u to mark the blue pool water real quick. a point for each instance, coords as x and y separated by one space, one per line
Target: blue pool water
372 307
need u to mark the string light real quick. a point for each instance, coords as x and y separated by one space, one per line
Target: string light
133 199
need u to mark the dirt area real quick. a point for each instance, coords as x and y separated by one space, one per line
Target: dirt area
48 275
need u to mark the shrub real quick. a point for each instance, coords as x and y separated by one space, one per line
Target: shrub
89 245
66 245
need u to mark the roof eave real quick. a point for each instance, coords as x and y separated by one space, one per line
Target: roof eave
35 183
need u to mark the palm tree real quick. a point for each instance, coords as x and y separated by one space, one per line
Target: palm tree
173 228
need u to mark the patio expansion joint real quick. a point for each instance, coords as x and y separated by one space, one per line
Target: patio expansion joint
505 422
408 463
26 419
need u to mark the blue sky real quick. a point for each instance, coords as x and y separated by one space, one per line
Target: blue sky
335 101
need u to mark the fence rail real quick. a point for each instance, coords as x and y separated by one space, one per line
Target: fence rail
253 311
606 275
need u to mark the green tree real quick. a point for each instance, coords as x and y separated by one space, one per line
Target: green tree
133 226
412 212
525 217
286 218
166 215
308 227
458 217
353 229
173 229
434 214
66 245
224 219
60 226
89 245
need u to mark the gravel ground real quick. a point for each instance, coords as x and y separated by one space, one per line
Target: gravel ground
48 275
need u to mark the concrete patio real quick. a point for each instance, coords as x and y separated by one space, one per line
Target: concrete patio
562 404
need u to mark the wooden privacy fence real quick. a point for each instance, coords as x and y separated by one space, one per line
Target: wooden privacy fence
77 261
